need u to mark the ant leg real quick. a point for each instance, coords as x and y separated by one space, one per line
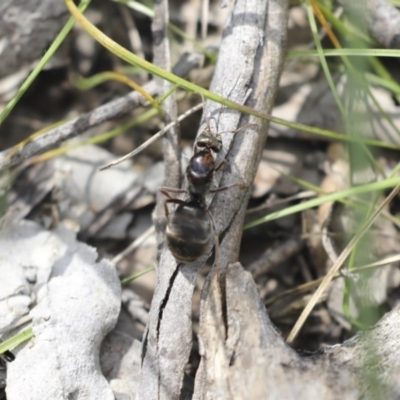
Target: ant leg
221 164
221 189
171 200
166 190
166 211
208 128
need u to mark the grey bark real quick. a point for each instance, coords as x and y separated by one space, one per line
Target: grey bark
171 148
150 385
256 49
243 355
248 68
255 362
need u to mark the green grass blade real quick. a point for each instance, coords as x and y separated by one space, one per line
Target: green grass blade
345 52
136 276
131 58
371 187
16 340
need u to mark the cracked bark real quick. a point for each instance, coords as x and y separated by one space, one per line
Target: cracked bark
256 363
254 43
248 72
158 378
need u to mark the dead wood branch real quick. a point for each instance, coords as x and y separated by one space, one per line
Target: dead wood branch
151 386
248 71
256 49
106 112
259 364
171 148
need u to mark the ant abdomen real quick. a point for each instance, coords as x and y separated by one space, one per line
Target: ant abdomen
191 226
188 233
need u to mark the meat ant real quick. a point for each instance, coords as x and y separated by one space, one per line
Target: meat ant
191 225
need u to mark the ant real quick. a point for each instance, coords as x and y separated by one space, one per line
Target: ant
191 225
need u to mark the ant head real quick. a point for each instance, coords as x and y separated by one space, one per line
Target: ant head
207 140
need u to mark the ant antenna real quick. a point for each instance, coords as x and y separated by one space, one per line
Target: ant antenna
207 120
238 129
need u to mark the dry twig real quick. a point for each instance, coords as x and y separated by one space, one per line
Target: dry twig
251 57
106 112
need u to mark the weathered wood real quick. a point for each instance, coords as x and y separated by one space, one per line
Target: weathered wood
248 68
251 57
257 364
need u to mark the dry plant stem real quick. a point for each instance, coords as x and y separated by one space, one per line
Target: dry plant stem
162 59
275 256
154 138
159 379
79 125
134 245
106 112
255 48
250 58
306 287
299 196
171 148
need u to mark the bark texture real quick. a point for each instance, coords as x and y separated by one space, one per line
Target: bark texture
247 72
255 362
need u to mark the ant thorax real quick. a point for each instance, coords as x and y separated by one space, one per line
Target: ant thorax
200 172
201 168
